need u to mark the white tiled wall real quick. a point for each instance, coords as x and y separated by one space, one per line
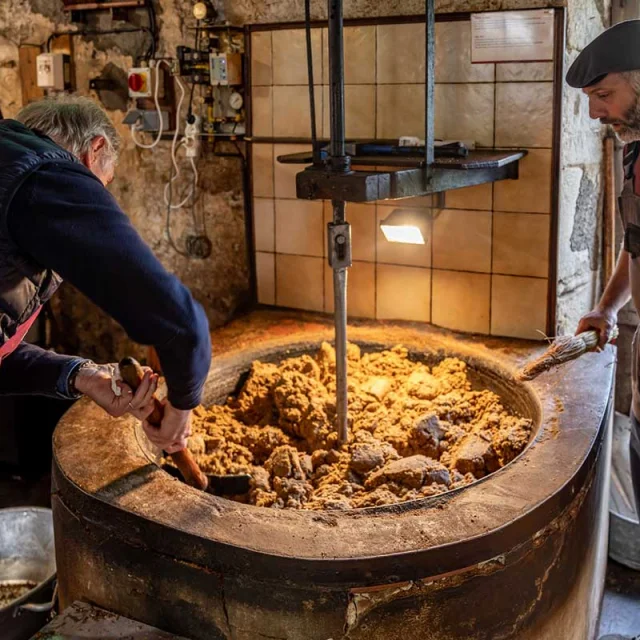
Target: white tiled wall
485 265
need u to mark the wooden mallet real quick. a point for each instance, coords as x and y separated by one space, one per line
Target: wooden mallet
132 374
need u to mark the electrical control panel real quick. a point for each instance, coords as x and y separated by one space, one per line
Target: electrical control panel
53 71
225 69
214 67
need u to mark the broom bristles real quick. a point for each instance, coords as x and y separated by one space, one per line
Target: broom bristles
563 349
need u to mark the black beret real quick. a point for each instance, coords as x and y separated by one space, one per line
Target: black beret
615 50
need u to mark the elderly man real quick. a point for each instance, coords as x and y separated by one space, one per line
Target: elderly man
58 221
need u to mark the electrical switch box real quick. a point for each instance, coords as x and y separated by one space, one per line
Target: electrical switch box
225 69
53 71
140 82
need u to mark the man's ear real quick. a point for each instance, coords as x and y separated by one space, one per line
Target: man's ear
90 158
97 144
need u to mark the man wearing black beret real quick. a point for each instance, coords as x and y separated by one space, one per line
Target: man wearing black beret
608 72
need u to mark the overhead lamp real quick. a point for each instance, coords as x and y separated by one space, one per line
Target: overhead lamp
405 226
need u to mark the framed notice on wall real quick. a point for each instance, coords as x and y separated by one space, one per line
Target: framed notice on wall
512 36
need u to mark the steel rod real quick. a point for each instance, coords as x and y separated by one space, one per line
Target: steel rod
340 305
429 82
336 86
340 238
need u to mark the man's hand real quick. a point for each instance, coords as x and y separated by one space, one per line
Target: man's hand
603 320
94 381
172 434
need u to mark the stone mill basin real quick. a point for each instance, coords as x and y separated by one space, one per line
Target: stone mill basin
518 554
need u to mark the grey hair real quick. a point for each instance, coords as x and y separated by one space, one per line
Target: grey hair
633 78
72 122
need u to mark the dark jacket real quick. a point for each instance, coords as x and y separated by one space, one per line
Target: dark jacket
24 284
61 220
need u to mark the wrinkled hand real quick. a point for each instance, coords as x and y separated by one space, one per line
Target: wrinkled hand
172 434
602 320
95 382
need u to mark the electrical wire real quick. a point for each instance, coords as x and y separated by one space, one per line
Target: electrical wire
151 14
187 141
172 244
137 126
193 84
312 97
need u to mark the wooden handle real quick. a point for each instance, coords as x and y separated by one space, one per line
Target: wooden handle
132 374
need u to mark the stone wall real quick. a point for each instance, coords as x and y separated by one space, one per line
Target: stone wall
580 216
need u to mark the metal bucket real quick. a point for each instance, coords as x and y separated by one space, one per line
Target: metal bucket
26 555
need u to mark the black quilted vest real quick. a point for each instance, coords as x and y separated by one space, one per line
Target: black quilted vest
24 284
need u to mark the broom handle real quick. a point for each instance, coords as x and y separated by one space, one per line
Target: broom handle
592 337
132 374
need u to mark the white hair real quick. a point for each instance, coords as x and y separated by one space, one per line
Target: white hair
72 122
633 78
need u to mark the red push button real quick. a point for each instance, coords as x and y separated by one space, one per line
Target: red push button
136 82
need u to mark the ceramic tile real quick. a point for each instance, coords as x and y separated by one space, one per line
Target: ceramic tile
299 227
403 293
453 55
359 55
262 112
524 72
265 275
521 244
264 224
400 54
461 301
455 120
285 174
300 282
531 192
524 114
462 240
261 63
361 290
362 218
417 255
290 56
291 112
262 170
479 197
518 307
400 110
360 111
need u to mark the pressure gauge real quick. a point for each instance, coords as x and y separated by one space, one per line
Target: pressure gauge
200 10
236 101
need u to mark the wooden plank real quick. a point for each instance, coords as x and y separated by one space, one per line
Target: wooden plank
28 73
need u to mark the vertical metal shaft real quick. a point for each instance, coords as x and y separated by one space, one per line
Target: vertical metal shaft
339 233
340 318
336 82
429 82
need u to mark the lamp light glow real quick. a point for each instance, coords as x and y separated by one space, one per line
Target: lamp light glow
404 226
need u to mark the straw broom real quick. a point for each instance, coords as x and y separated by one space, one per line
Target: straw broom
563 349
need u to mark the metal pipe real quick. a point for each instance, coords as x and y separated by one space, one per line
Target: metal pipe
340 306
339 231
429 83
339 162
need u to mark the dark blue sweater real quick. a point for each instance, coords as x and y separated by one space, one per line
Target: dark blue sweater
65 219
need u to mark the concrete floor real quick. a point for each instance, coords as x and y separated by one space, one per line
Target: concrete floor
620 607
621 604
